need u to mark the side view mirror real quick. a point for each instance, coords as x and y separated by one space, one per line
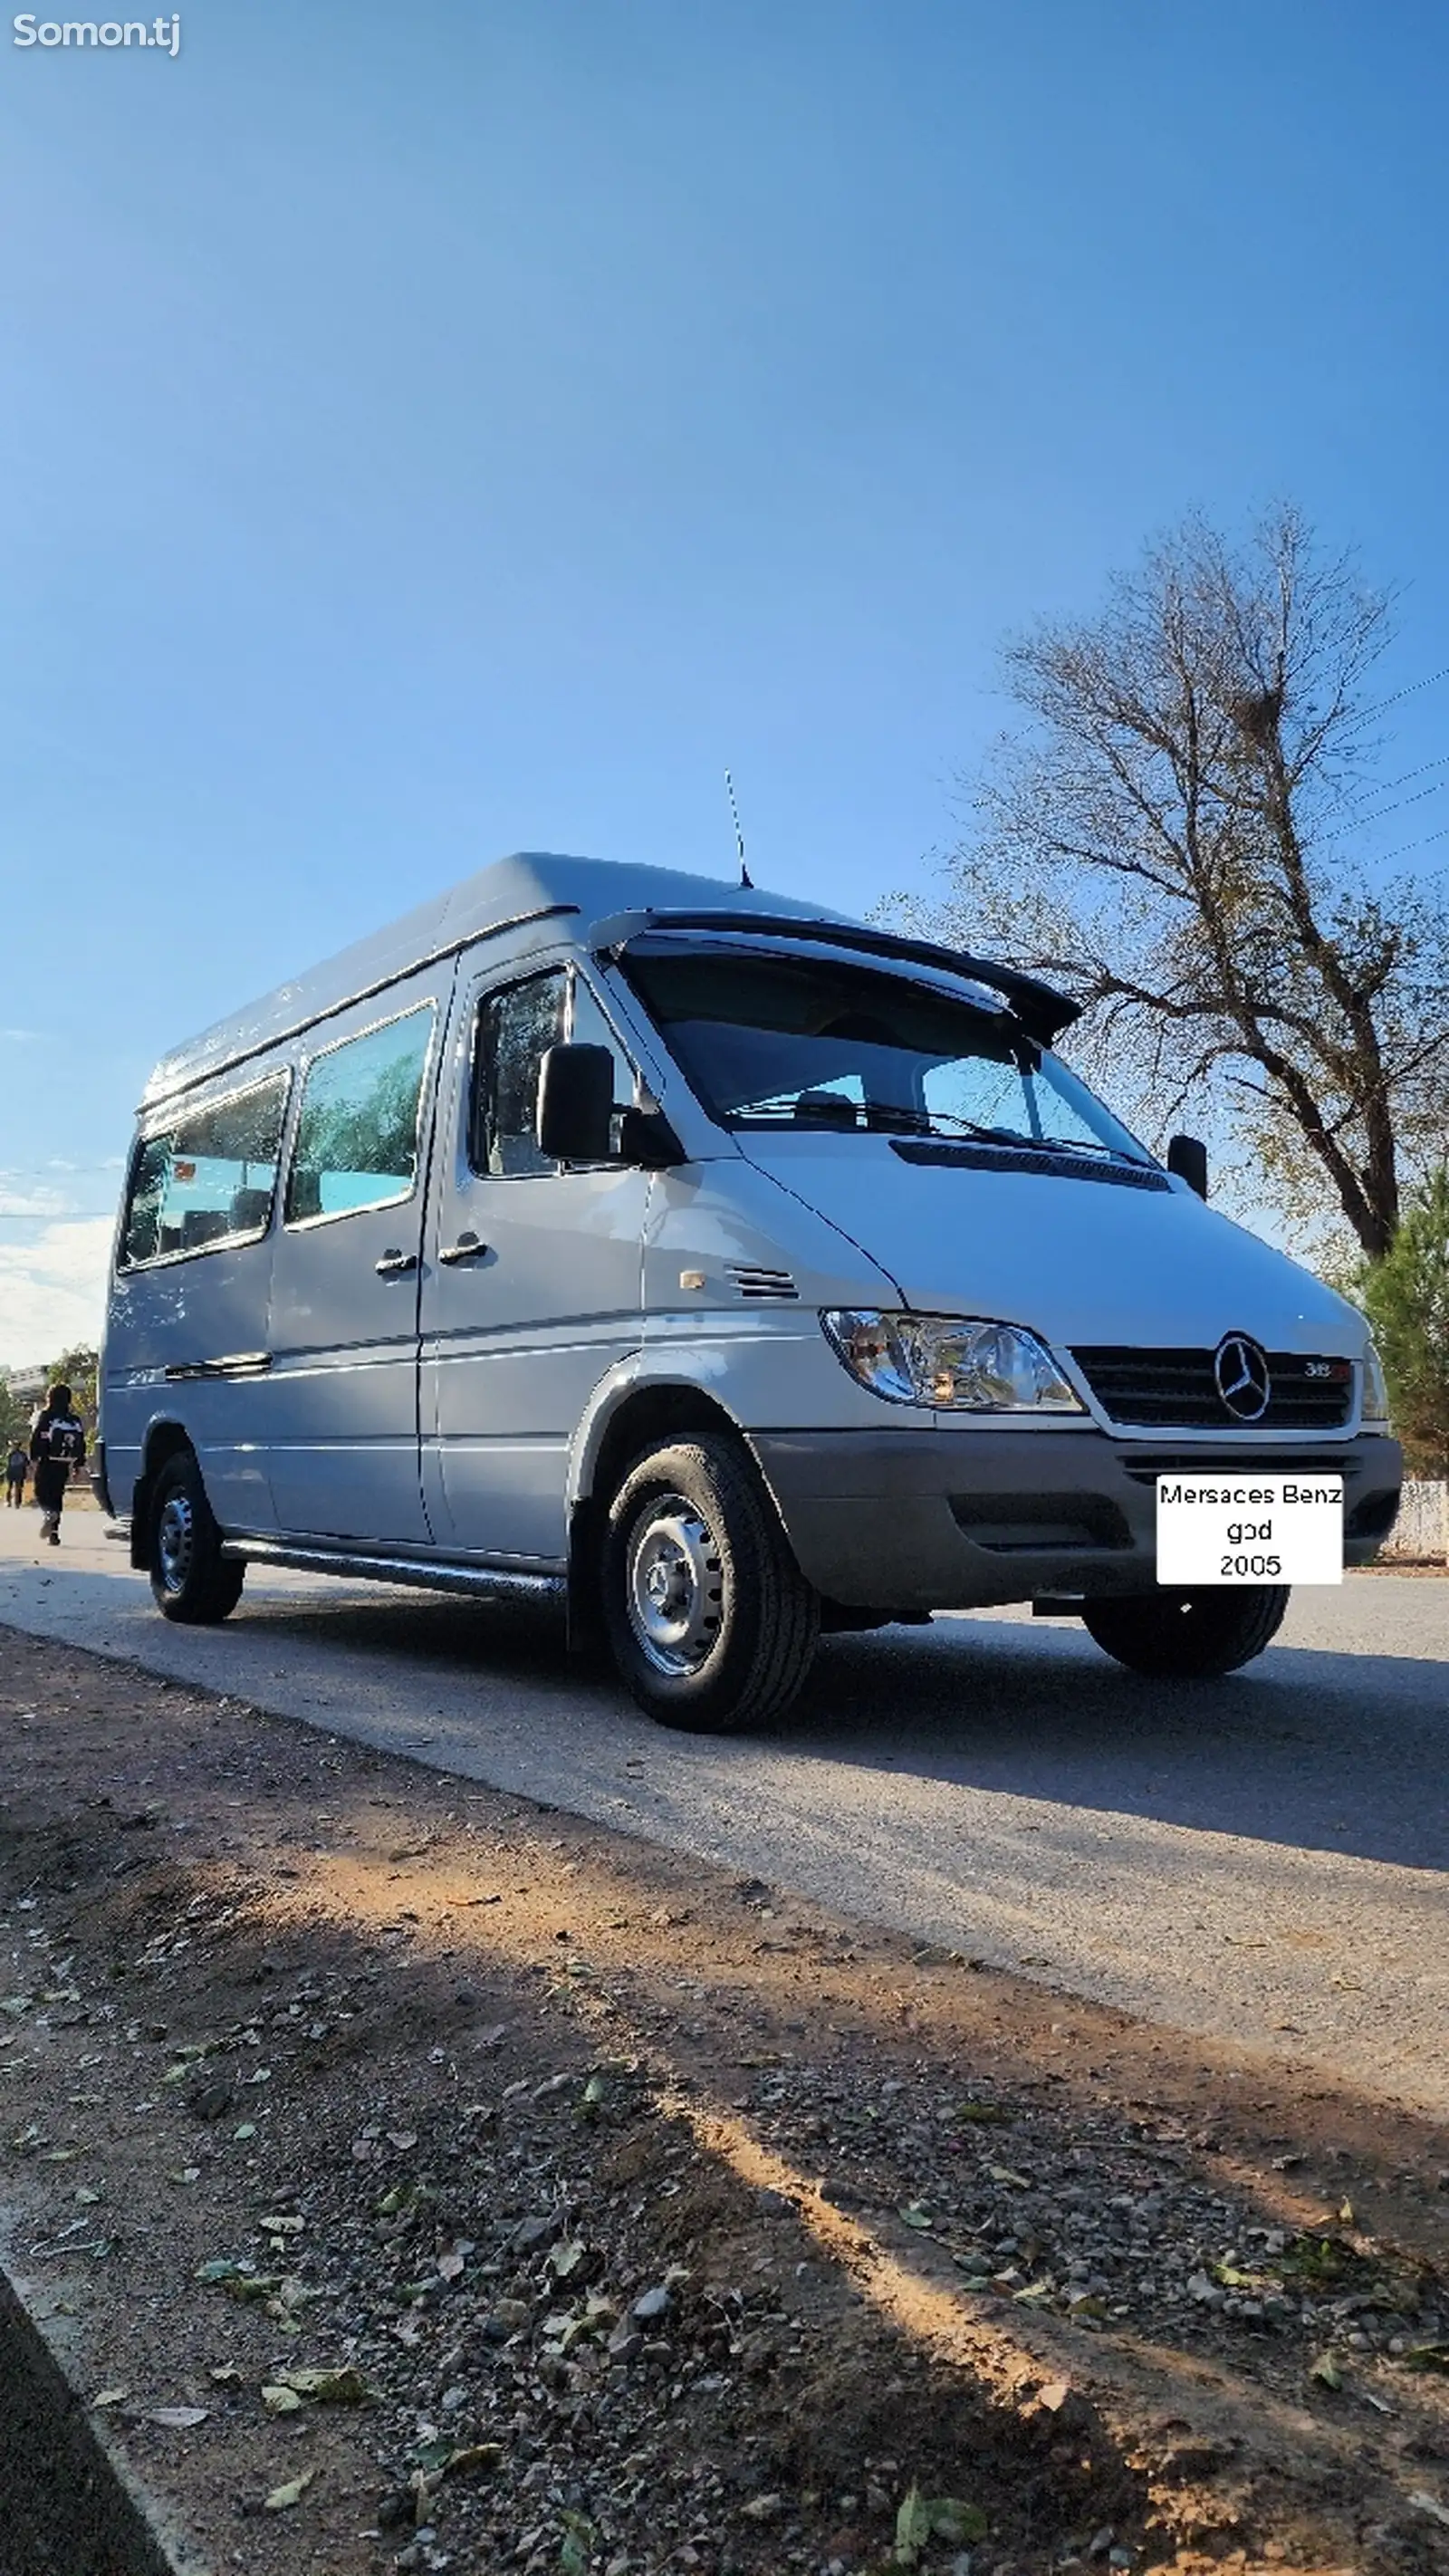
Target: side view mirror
575 1111
1187 1159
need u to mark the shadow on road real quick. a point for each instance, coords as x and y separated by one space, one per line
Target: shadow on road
1311 1748
1338 1752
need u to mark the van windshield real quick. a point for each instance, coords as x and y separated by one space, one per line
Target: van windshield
810 1042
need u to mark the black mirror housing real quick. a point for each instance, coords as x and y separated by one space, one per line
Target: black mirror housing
1187 1159
575 1114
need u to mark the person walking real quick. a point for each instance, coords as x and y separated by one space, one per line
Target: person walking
17 1468
57 1444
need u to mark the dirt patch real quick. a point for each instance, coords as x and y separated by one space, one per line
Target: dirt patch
436 2181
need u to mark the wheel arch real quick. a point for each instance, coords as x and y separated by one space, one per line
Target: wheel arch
627 1417
165 1439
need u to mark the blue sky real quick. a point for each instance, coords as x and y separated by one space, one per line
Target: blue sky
428 430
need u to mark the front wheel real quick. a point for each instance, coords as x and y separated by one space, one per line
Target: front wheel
191 1581
710 1621
1188 1636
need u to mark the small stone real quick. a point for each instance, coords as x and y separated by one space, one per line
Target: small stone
211 2101
763 2508
507 2318
651 2304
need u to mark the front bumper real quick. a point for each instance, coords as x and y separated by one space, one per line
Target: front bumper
957 1520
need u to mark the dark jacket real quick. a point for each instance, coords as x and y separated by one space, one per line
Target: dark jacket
57 1443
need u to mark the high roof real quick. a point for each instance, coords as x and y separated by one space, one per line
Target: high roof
509 894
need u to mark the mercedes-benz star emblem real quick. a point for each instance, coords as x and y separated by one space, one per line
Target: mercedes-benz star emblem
1241 1371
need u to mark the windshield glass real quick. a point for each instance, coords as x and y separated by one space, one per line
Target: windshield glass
810 1043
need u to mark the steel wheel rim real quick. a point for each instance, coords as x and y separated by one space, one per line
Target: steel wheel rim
674 1586
176 1542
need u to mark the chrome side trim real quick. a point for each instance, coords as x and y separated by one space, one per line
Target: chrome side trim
438 1574
232 1364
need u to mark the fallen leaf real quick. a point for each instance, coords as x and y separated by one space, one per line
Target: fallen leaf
475 2459
111 2397
1429 2504
177 2419
916 2214
283 2498
279 2400
1326 2371
1426 2356
913 2528
341 2387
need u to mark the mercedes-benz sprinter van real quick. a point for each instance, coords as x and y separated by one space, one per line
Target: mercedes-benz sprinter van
724 1267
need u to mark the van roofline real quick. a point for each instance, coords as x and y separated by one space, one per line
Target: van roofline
536 891
531 886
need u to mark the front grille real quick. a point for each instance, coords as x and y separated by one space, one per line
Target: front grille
1176 1390
761 1286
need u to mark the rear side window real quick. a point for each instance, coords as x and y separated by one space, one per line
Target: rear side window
357 1131
207 1177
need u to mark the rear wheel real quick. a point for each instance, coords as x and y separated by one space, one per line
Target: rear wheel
191 1580
710 1621
1188 1636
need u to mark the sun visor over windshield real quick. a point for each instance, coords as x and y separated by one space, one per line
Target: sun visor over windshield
1035 1006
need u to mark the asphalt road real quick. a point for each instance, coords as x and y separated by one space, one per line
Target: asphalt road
1261 1859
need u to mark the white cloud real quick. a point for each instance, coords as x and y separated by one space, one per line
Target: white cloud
53 1291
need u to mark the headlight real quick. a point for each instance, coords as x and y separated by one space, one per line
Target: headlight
956 1365
1375 1404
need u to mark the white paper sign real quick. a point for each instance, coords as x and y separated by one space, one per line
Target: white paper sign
1237 1527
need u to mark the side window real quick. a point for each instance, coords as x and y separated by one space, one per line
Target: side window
357 1131
207 1177
516 1027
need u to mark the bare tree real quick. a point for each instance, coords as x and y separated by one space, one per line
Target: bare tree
1174 841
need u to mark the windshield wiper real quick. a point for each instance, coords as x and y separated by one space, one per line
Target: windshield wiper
942 1121
1054 1144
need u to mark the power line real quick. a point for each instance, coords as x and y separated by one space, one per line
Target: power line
1411 691
1361 821
1402 852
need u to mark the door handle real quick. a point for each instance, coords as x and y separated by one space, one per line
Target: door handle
467 1248
395 1265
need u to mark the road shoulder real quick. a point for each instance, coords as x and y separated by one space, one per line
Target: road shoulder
566 2194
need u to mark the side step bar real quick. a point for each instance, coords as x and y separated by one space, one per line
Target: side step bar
481 1582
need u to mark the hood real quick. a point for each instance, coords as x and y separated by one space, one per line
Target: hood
1079 1261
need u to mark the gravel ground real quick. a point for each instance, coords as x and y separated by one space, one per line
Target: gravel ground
424 2179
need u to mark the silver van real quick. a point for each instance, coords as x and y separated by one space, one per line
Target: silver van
723 1267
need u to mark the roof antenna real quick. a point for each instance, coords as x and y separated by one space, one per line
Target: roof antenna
745 877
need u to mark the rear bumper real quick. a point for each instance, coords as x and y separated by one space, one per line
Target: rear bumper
955 1520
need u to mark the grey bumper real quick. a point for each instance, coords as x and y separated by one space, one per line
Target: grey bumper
945 1520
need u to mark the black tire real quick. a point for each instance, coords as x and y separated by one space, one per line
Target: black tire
709 1619
191 1581
1188 1636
